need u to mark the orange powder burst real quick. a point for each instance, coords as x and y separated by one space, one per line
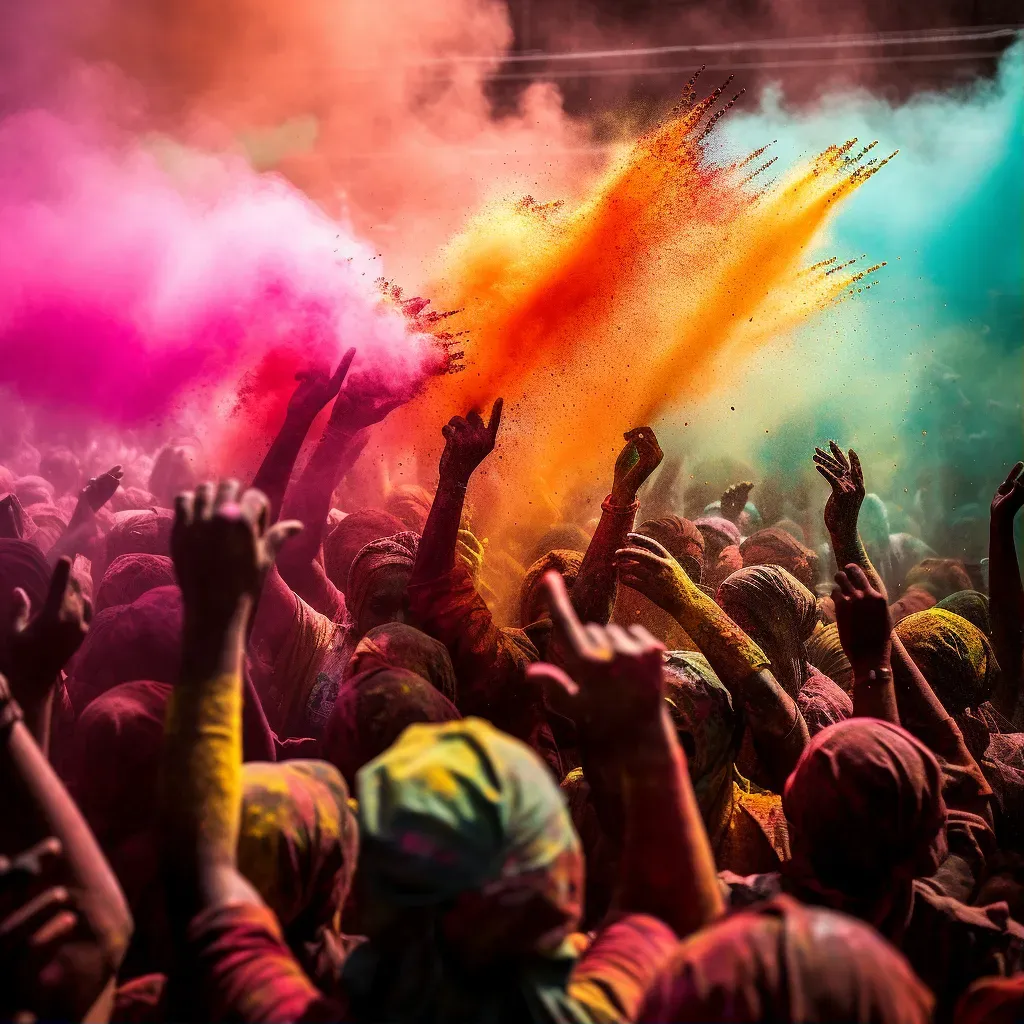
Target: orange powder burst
597 318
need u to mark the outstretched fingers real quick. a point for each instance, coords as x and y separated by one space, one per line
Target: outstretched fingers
563 615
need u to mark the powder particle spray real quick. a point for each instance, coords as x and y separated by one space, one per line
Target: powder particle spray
592 319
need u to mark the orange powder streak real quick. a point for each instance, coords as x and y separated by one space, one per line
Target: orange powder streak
606 316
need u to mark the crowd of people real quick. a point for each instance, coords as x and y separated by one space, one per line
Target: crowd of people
268 755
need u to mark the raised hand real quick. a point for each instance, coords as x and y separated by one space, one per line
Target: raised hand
612 683
317 386
100 489
846 478
468 441
864 621
647 567
1009 496
636 462
36 918
363 403
734 500
222 548
41 644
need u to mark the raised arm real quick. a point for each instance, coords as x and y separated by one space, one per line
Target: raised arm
357 407
778 729
865 631
1006 597
222 550
593 593
316 388
846 478
614 688
82 526
36 805
468 441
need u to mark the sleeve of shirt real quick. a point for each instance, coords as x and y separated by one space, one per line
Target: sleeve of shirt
242 970
611 978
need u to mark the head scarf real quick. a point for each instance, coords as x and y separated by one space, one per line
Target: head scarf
750 520
373 709
561 537
399 550
297 845
147 532
34 490
776 547
822 702
133 499
953 655
22 565
16 523
786 962
865 811
970 605
411 504
709 730
825 652
50 524
128 577
941 577
795 530
992 1001
396 645
533 598
913 600
681 538
352 534
718 532
778 612
461 813
141 640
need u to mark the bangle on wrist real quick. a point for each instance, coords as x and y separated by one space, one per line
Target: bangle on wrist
609 506
874 676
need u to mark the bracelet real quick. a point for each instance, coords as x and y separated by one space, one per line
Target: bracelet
620 510
876 675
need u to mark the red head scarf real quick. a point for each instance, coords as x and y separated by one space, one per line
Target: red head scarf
128 577
777 547
352 534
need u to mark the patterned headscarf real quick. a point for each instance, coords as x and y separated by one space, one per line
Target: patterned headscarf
373 709
778 613
970 605
298 843
397 550
350 536
777 547
825 652
953 655
147 532
396 645
462 812
865 811
709 730
718 532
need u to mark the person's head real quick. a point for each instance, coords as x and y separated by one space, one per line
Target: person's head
718 533
708 728
774 546
411 504
141 640
778 612
561 537
350 536
61 467
49 522
297 844
373 709
138 532
34 490
970 605
378 581
532 595
397 645
953 655
941 577
873 523
22 565
177 468
463 827
128 577
789 963
683 541
866 817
